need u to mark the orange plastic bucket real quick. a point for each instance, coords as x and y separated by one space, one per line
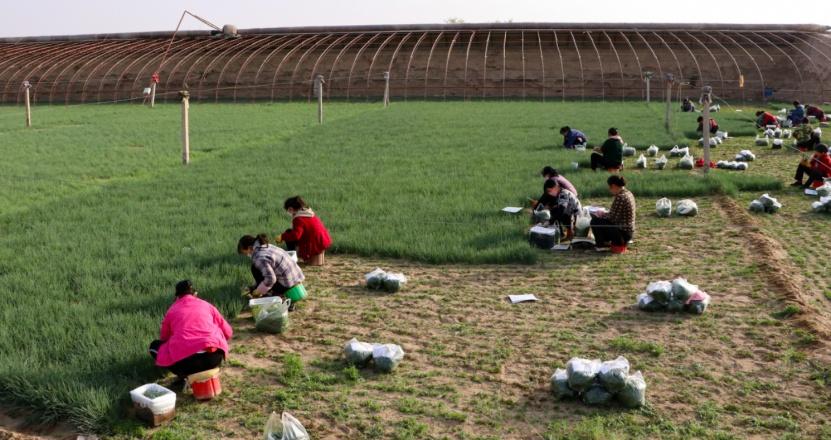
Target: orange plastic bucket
205 385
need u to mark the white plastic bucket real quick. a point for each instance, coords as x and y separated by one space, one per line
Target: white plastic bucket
160 405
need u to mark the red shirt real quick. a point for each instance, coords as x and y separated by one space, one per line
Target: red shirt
769 119
821 163
191 325
309 233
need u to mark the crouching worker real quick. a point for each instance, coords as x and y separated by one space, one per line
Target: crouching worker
610 154
818 167
763 119
687 106
797 114
308 236
812 110
194 335
616 227
275 272
549 173
806 138
563 205
572 137
713 125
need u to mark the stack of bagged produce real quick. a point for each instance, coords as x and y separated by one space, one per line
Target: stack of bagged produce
599 383
676 296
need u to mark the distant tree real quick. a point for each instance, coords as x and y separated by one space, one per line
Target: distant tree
454 20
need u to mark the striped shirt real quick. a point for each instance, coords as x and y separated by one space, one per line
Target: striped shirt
276 266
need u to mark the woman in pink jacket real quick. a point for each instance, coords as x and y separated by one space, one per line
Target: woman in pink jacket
194 335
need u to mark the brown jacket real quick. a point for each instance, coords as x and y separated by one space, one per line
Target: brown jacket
623 210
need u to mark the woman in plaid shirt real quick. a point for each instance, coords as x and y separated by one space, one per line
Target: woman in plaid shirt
275 272
616 227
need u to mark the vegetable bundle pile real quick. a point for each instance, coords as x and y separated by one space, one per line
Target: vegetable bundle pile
385 357
679 152
676 296
765 203
824 205
389 282
731 165
745 156
599 383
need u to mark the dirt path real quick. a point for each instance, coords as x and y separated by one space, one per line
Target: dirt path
778 268
14 428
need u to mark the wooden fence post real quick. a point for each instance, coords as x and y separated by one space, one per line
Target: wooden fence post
28 104
386 89
185 127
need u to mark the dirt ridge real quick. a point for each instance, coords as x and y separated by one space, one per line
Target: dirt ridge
777 268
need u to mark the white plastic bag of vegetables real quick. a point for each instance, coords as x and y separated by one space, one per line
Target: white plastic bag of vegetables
357 352
686 207
633 394
661 162
581 373
641 162
284 428
682 289
686 163
613 374
273 318
652 151
582 226
663 207
770 203
393 281
559 384
756 206
660 290
387 357
375 279
628 151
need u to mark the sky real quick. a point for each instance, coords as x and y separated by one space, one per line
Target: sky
62 17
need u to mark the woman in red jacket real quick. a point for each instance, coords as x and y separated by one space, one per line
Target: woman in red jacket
817 168
307 235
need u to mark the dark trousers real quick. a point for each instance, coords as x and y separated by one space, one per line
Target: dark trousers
813 175
599 161
192 364
606 232
559 215
276 290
